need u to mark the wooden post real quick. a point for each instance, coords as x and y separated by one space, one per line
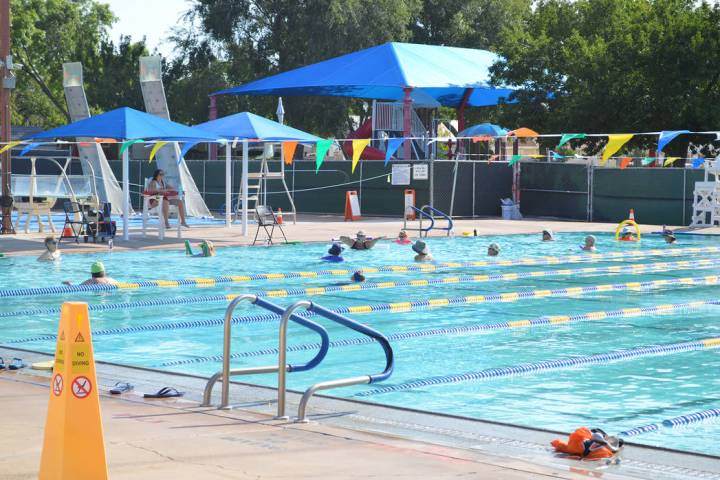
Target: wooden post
5 116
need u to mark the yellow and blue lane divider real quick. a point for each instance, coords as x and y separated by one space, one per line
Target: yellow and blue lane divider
544 321
634 269
425 267
499 372
413 305
680 420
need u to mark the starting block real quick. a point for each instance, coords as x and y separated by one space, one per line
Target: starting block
74 446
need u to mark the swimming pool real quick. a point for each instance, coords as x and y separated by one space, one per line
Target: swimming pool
448 339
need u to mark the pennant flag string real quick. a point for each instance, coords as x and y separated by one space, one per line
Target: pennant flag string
615 142
392 146
155 149
289 151
357 147
321 149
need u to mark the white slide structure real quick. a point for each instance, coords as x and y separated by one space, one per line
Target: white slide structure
176 173
92 158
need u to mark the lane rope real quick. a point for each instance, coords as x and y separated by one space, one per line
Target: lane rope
411 305
548 320
231 279
673 422
633 269
498 372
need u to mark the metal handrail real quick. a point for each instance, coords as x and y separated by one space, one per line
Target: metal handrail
442 214
227 330
343 382
422 215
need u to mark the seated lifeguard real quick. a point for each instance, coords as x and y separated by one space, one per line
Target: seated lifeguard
361 242
160 187
51 253
627 234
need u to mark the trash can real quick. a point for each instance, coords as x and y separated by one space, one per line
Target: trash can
510 210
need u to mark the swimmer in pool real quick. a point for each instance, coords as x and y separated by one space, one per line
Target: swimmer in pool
423 252
669 238
548 235
589 245
356 277
627 234
334 254
493 250
97 276
51 253
402 238
207 249
361 241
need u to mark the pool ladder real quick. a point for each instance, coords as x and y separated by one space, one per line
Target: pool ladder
427 212
282 368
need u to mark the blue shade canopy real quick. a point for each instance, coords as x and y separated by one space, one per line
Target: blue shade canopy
246 125
381 72
483 129
126 124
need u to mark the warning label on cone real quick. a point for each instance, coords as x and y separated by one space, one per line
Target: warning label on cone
57 385
79 338
81 387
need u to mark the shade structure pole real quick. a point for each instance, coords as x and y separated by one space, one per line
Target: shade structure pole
228 184
212 115
244 188
407 122
126 193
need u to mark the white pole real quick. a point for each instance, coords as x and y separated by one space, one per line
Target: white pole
228 185
126 193
244 188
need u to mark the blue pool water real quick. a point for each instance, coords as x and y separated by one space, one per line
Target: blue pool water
614 396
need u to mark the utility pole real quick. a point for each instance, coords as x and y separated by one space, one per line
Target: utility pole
8 82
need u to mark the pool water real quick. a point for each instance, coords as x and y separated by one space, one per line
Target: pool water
614 396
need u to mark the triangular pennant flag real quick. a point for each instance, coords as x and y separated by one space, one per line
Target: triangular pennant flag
128 143
186 148
321 149
155 149
392 146
614 143
514 160
569 136
9 146
698 161
670 161
667 136
625 162
28 148
289 151
536 155
105 140
357 147
648 160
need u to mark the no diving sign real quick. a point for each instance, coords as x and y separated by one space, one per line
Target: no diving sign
81 387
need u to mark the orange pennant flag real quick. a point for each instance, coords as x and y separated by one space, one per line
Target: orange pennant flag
625 162
289 151
358 146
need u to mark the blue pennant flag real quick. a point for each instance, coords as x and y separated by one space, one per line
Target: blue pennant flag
666 137
28 148
186 148
392 146
697 162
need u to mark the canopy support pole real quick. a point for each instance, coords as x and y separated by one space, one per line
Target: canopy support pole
228 184
407 122
461 108
126 194
212 115
244 188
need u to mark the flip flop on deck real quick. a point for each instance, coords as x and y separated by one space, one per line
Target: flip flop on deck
16 364
121 387
2 364
165 392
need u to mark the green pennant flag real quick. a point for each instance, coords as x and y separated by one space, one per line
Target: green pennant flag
648 160
321 149
514 160
570 136
128 143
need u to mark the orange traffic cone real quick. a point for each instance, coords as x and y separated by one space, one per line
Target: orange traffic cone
632 215
279 216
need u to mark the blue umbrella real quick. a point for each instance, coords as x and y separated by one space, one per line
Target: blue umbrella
483 129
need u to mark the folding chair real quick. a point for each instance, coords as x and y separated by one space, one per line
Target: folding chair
266 219
76 223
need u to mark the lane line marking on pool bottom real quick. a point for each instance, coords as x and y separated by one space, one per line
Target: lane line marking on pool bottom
406 306
596 359
425 267
673 422
548 320
633 269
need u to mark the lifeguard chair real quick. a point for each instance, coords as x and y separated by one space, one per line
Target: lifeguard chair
153 206
706 197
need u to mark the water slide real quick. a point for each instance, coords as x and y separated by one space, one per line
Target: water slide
365 131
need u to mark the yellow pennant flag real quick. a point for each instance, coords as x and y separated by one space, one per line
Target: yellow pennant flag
358 147
670 161
155 149
9 146
614 144
289 151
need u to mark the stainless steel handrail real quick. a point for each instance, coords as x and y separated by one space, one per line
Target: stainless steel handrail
226 372
282 355
421 214
435 211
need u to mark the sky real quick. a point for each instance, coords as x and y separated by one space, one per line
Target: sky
151 19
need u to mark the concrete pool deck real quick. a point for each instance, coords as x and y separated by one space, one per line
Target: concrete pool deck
309 228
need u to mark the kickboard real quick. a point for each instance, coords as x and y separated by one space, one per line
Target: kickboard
47 365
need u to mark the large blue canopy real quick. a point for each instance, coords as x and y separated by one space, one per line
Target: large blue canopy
246 125
381 72
126 124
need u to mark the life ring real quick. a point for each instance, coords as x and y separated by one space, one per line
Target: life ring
627 223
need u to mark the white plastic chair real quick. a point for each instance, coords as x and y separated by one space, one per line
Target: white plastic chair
156 211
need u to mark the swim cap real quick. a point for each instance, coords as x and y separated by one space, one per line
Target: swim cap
97 267
335 250
358 277
494 246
